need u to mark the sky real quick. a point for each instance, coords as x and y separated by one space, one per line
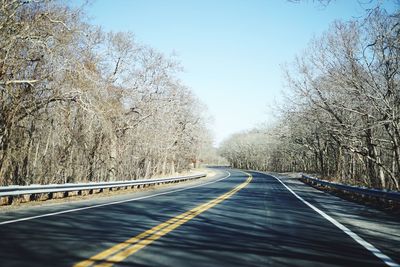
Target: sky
232 51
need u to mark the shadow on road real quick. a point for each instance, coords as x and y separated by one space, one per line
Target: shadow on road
261 225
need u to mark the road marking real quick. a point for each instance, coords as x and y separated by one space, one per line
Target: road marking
386 259
110 203
125 249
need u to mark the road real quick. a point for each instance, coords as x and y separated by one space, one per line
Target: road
233 219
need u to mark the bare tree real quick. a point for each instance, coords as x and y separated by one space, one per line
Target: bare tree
341 118
79 104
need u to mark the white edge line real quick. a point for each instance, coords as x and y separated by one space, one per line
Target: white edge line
386 259
110 203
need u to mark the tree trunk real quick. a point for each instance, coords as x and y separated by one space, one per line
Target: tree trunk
112 158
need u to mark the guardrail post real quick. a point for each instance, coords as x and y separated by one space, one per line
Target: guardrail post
5 200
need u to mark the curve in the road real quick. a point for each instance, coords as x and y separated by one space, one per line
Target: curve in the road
109 203
263 224
125 249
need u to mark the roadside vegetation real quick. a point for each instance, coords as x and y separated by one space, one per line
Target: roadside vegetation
341 114
81 104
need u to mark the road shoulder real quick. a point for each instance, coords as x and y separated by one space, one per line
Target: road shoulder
375 226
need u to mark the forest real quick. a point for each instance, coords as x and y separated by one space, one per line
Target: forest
81 104
340 119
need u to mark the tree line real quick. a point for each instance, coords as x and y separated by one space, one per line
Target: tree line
81 104
341 114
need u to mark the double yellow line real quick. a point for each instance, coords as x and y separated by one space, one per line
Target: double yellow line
123 250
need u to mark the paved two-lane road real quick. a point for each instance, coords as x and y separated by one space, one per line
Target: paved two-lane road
233 219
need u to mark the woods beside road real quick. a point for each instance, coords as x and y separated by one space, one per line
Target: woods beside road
81 107
341 114
80 104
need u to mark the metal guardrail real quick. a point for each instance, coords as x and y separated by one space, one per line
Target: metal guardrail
28 193
381 194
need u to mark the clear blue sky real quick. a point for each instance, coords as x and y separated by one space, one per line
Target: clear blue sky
232 51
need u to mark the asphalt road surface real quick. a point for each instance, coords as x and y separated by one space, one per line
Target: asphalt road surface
233 219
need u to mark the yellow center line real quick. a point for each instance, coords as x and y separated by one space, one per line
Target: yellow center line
123 250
